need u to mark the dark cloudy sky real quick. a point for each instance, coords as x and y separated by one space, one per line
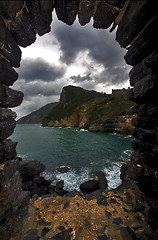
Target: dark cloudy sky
80 56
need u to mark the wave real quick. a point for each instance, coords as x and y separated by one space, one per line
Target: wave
83 130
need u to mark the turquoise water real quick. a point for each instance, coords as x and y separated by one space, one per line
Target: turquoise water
82 151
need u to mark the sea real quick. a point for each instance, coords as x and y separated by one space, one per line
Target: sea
83 151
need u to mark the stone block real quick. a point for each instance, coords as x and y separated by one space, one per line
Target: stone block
9 8
66 11
149 66
10 190
130 26
145 90
6 128
85 12
8 46
9 97
6 114
7 170
22 30
7 74
104 16
144 45
7 150
40 15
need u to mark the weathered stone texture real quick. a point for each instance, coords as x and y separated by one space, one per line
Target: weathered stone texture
40 12
130 26
22 30
104 16
9 97
8 46
86 10
144 45
10 190
66 10
7 170
7 74
7 150
6 128
9 8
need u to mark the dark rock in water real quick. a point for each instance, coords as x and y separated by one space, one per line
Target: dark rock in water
30 168
59 188
90 186
63 169
60 185
103 183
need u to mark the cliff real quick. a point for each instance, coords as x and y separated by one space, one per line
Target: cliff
37 117
92 111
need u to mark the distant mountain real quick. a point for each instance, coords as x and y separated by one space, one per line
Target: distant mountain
92 110
37 117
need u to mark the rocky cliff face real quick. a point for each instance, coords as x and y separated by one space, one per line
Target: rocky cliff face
99 112
137 23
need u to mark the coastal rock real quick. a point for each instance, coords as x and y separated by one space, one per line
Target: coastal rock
9 97
7 74
9 8
30 168
22 30
63 169
90 186
8 46
7 114
40 15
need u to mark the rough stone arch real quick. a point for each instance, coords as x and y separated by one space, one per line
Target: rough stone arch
137 23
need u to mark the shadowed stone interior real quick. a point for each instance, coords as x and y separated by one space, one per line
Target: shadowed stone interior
137 21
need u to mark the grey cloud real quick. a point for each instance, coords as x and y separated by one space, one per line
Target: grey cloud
80 78
38 88
34 69
100 44
112 76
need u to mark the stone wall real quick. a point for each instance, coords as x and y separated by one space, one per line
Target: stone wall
137 23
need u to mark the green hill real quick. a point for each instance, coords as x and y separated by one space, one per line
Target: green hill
36 117
92 110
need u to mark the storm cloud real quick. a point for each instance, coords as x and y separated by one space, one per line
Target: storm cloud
38 68
101 45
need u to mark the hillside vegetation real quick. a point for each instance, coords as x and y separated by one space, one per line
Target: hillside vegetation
92 110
